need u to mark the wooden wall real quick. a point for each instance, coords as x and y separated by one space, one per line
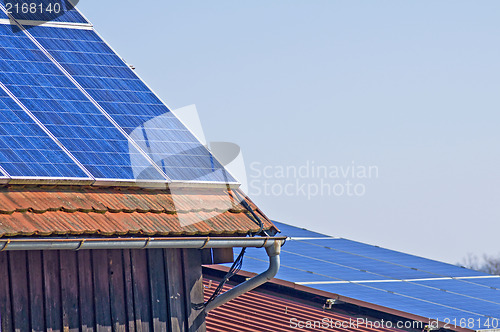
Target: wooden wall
101 290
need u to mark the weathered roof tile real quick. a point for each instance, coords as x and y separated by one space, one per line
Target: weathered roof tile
56 211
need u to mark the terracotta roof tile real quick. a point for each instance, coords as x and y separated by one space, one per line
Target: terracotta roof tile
56 211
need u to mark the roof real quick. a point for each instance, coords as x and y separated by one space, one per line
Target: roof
71 109
257 311
97 211
388 279
75 119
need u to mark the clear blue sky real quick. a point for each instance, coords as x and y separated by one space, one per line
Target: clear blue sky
410 87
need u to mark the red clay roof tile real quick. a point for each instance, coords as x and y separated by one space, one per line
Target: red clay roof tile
56 211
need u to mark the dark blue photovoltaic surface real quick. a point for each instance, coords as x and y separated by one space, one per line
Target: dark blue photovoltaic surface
334 260
412 267
490 282
384 277
131 104
2 14
377 254
470 287
436 295
286 272
395 257
416 304
26 150
43 10
67 113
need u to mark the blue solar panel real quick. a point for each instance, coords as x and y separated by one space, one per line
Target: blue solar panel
326 267
254 261
422 307
493 283
3 15
67 113
131 104
304 250
384 277
443 297
382 254
412 261
396 295
379 260
286 272
26 150
43 10
467 287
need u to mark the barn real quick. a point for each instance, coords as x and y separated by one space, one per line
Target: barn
111 259
109 205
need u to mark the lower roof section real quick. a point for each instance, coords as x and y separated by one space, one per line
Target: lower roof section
36 211
259 311
457 297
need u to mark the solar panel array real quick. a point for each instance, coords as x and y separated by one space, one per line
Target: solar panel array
388 278
71 108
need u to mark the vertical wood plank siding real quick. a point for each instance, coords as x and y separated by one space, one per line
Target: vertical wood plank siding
101 290
86 291
19 286
193 283
176 300
69 292
52 290
36 286
5 303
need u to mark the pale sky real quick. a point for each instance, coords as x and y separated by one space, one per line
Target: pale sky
410 88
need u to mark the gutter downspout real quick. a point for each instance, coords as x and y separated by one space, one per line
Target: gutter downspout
273 251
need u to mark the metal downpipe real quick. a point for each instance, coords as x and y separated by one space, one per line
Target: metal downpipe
273 251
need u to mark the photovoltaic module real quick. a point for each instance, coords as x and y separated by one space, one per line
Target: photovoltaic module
71 108
408 283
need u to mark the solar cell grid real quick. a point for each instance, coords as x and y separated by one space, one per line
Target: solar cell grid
445 298
493 283
398 258
286 272
469 298
26 150
423 306
381 269
131 104
469 288
323 265
67 113
377 253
